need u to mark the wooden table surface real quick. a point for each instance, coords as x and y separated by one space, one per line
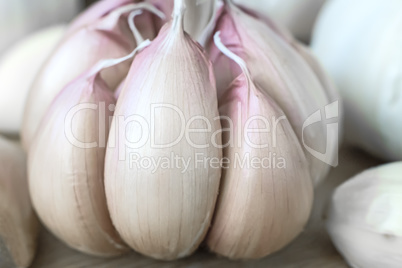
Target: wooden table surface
311 249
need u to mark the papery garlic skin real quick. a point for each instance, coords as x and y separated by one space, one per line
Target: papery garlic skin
260 208
119 89
298 16
165 212
66 168
109 37
19 226
362 53
282 73
364 218
305 52
95 12
18 69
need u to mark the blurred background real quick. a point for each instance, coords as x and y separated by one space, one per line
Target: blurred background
19 18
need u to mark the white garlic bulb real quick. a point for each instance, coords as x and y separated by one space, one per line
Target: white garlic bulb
361 50
365 219
18 69
19 225
297 15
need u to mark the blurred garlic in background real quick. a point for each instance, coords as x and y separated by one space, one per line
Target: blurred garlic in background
365 219
18 222
18 69
296 15
21 17
360 45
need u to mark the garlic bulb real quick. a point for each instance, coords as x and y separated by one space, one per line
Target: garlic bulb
296 15
108 37
67 178
18 223
364 219
284 75
261 207
164 210
362 52
18 69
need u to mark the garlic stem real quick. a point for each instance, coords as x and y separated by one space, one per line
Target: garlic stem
178 15
137 35
112 62
131 7
242 64
115 15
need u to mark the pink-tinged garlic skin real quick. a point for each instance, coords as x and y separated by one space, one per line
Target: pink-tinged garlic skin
326 81
109 37
95 12
119 89
66 168
279 70
19 225
164 214
259 209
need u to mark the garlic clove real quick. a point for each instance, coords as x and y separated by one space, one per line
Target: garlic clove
75 55
164 211
18 223
77 127
66 177
303 50
364 219
261 207
24 60
279 70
